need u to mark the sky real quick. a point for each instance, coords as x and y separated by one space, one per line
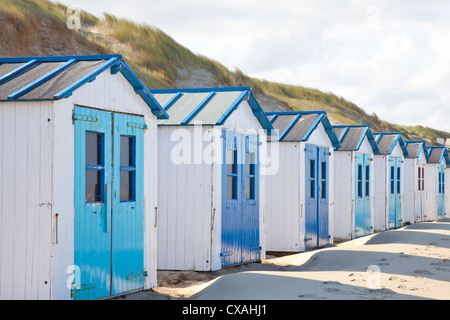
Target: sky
391 58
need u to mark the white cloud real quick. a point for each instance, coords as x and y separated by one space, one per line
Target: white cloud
386 56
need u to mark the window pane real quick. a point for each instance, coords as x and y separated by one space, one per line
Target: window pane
231 187
93 148
312 167
94 185
398 180
126 151
127 185
250 188
392 180
323 191
312 189
231 161
359 172
367 173
323 168
359 189
250 163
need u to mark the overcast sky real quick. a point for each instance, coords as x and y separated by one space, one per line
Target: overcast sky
388 57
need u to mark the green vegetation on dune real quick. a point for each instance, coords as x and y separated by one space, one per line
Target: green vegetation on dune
39 27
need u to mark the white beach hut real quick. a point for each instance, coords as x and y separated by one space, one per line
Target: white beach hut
414 166
389 186
210 211
75 134
435 172
354 181
300 189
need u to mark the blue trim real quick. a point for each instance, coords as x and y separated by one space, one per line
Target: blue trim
293 112
289 127
272 118
15 72
197 109
67 92
60 58
259 114
314 126
145 94
399 139
172 101
233 107
198 90
41 80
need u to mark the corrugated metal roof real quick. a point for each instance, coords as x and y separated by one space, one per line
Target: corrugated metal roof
53 78
436 154
297 125
351 137
415 147
386 142
206 106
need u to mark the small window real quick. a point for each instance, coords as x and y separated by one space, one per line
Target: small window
423 179
323 189
367 181
250 165
419 180
312 167
360 182
392 180
311 178
127 168
398 180
312 189
94 175
232 169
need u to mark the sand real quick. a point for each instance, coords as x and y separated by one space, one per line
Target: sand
412 262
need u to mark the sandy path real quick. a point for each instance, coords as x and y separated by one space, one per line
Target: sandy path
408 263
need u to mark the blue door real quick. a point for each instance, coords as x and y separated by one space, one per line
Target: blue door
395 196
108 224
317 189
363 225
240 196
441 192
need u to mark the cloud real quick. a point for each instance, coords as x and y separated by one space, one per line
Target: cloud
385 56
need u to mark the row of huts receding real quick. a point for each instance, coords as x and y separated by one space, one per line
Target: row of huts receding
103 182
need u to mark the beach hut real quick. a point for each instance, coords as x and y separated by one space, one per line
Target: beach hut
75 134
389 180
438 160
414 168
354 181
210 213
300 192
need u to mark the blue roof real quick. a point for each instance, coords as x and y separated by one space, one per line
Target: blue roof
57 77
352 136
296 126
386 142
414 148
206 106
437 153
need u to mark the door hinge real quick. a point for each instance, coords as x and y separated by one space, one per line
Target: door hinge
83 287
137 275
226 253
84 118
137 125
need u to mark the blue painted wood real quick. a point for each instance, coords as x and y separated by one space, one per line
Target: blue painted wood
323 197
311 207
41 80
128 216
109 234
17 71
317 196
240 213
394 189
363 225
197 109
92 231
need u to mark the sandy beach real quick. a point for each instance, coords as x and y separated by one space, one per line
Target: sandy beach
412 262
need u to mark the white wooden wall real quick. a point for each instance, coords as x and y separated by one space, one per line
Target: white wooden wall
111 93
410 182
447 192
185 200
285 194
344 186
26 235
380 192
283 200
431 191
